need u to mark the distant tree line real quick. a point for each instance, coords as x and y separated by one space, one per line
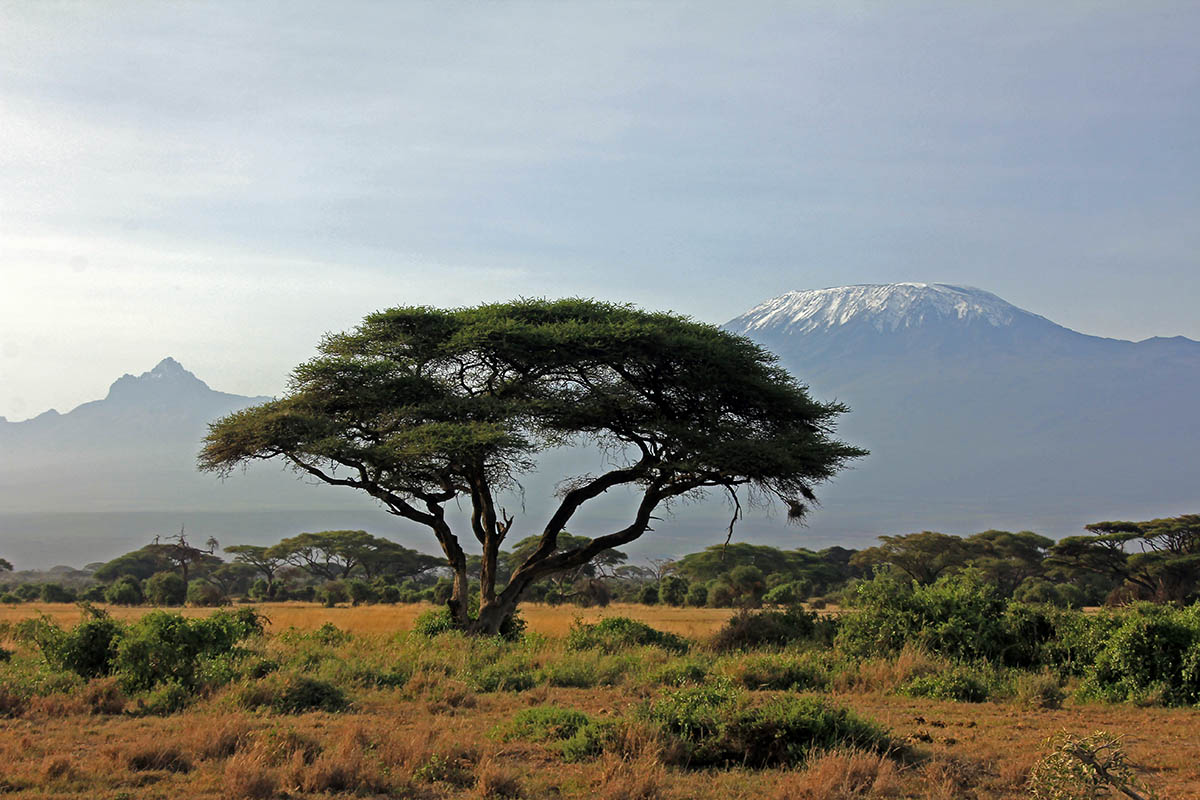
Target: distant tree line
1115 562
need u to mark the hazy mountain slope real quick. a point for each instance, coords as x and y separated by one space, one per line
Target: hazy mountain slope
981 413
136 450
978 414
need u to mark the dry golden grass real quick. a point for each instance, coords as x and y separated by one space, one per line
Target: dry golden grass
428 740
396 747
549 620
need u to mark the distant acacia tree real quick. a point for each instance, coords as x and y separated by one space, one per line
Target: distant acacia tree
422 408
5 566
1160 558
261 559
923 556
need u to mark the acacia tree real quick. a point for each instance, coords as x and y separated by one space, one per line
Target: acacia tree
1164 566
261 559
422 408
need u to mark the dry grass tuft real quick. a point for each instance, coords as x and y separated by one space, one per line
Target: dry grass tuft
147 756
104 696
219 738
56 705
443 695
494 780
886 675
11 704
55 767
842 776
249 776
632 779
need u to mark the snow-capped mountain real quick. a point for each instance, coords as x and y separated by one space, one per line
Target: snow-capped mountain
884 307
981 414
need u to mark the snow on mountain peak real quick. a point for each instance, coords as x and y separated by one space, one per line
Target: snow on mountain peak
886 307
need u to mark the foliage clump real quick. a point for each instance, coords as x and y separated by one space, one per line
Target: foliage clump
1085 768
748 630
717 725
613 634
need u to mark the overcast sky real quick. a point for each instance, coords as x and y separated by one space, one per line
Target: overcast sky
222 182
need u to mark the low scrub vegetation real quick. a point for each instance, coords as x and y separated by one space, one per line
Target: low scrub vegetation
787 701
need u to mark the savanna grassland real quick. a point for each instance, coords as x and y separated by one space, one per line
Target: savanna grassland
353 702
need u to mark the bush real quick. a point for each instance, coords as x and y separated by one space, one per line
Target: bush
439 621
359 592
1039 691
697 595
714 726
747 630
543 724
673 590
55 593
203 594
959 683
787 594
961 617
612 634
166 589
168 698
1151 654
298 695
648 596
503 676
771 671
162 646
88 649
332 593
126 591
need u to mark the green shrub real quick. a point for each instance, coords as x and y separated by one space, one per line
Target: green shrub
774 671
162 646
440 620
203 594
961 617
648 595
788 594
714 725
589 741
359 592
168 698
503 676
88 649
331 635
1150 655
543 724
571 671
166 589
697 595
958 683
673 590
126 591
300 694
1039 691
613 634
55 593
748 630
680 672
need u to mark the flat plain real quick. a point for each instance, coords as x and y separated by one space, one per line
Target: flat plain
422 723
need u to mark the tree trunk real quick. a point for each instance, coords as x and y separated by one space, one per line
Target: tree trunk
460 596
492 616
